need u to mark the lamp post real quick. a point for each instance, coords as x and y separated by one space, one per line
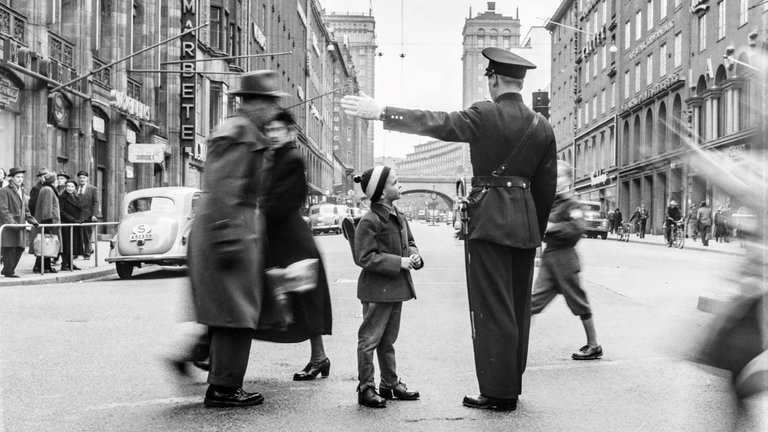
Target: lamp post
433 197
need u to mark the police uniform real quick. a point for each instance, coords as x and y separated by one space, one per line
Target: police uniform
505 225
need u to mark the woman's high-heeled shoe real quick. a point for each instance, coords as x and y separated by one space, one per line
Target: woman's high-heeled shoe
312 370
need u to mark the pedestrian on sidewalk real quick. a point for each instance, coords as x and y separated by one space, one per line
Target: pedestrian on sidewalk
14 210
721 227
559 268
225 255
617 220
91 210
643 220
46 212
704 220
71 212
691 223
32 202
385 249
514 163
290 241
4 177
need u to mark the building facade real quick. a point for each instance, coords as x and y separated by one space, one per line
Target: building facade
437 158
143 120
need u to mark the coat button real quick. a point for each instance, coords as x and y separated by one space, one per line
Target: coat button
509 184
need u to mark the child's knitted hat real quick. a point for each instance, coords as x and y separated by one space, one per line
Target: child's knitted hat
373 181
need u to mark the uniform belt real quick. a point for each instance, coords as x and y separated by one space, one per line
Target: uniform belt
501 181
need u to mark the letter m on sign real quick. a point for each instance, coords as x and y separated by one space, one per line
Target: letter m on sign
188 6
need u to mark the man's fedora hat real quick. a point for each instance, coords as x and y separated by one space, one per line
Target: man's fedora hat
82 173
502 62
257 83
63 174
43 171
15 170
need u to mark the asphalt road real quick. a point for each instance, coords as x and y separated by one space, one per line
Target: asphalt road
89 356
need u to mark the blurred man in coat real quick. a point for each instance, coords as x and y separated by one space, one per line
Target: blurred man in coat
91 209
14 210
513 154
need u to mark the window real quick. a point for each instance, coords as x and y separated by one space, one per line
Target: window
662 60
702 33
54 15
586 72
627 34
649 14
594 66
605 56
626 85
594 107
613 94
721 19
637 77
215 27
743 9
604 11
218 105
602 102
678 49
662 9
578 117
638 24
649 69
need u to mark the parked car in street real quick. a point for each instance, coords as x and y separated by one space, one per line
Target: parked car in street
153 228
595 220
326 218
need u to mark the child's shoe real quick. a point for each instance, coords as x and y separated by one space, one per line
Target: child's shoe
400 391
368 397
588 353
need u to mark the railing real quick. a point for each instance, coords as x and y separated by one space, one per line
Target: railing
103 77
60 49
12 23
71 227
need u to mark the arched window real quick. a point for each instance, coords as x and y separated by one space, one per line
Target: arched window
648 138
625 142
678 123
637 140
661 132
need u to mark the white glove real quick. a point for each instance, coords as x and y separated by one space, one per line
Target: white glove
362 106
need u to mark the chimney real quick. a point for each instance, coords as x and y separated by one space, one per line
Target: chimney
491 6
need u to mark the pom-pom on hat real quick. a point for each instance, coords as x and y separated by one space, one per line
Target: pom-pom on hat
373 181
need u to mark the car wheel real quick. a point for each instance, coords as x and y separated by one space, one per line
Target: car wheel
124 270
604 236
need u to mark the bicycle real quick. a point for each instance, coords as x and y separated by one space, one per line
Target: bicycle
677 235
623 231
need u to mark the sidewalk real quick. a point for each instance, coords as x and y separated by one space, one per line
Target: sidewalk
89 270
732 248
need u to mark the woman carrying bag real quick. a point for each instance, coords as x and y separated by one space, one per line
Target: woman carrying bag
46 212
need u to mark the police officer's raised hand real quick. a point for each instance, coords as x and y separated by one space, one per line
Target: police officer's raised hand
406 263
362 106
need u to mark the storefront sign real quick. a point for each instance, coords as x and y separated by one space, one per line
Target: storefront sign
651 39
652 91
146 153
592 44
12 52
128 105
735 151
597 178
98 124
9 93
188 79
259 36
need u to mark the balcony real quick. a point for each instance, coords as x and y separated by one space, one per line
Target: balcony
103 77
60 49
13 24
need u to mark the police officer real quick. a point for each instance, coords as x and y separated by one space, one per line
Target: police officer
512 192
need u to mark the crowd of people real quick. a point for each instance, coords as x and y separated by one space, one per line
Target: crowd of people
54 199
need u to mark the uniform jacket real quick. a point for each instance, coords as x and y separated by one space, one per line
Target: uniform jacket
229 294
13 210
381 241
290 240
47 210
89 202
566 224
704 216
512 216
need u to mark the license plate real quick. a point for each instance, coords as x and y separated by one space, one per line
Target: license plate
136 237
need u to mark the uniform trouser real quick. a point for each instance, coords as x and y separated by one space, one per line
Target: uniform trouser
11 256
379 330
230 348
500 304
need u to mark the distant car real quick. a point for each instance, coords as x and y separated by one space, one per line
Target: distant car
327 218
153 228
595 221
355 212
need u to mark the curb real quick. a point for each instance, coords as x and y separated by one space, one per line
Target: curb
77 276
707 249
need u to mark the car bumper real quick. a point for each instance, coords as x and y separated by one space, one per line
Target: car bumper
159 259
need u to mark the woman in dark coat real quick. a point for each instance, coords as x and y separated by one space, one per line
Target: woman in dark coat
46 212
69 208
289 240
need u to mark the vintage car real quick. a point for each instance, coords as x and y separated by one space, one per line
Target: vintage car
595 221
154 228
327 217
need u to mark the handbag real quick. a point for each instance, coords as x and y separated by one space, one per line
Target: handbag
298 278
48 247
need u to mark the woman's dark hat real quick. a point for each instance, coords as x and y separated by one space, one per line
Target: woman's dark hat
502 62
257 83
16 170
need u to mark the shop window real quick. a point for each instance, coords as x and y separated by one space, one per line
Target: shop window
218 104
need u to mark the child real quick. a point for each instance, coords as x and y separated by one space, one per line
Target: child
559 270
385 249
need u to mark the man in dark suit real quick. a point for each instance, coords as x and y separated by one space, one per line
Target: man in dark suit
13 210
89 200
509 206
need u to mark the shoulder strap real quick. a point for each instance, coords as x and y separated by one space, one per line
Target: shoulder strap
503 167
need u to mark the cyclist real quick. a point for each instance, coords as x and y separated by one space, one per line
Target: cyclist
674 216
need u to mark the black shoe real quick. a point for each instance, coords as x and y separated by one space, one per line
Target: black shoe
370 398
311 371
74 267
588 353
51 270
35 269
491 403
219 397
202 364
400 391
14 275
86 257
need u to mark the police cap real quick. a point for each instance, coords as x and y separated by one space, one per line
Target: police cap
502 62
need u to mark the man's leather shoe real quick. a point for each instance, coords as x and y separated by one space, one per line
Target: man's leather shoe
588 353
491 403
400 391
35 269
12 275
369 398
231 397
51 270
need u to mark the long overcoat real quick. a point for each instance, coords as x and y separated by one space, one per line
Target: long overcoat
13 210
71 212
229 293
290 240
47 210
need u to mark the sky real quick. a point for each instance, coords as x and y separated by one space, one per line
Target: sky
429 77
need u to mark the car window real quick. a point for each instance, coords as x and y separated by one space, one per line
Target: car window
327 209
145 204
195 204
